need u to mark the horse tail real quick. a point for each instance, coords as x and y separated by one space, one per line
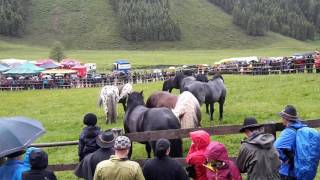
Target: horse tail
112 110
149 103
99 102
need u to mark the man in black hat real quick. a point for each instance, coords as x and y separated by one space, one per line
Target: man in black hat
257 157
87 166
162 166
285 144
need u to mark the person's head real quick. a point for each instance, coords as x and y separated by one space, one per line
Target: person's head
105 139
122 146
162 148
250 126
38 159
16 155
90 119
288 114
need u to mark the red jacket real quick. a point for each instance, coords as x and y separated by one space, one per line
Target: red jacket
200 141
229 171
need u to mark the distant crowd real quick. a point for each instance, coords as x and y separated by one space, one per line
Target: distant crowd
294 155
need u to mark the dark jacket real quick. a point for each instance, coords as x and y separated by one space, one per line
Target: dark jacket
87 166
258 158
87 141
164 168
38 175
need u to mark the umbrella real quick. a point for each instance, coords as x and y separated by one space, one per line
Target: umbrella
17 133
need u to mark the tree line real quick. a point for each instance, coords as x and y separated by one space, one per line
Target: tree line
299 19
146 20
13 16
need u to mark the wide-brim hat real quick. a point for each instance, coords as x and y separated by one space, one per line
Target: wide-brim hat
105 139
249 122
289 113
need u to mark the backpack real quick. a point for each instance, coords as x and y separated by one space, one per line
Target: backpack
307 153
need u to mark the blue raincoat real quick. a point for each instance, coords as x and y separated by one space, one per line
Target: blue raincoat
13 169
287 142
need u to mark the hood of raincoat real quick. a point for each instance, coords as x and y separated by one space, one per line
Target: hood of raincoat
26 160
264 141
216 151
200 139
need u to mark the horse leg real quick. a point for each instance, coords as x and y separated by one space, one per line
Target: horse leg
211 110
221 103
105 106
148 149
170 90
176 149
207 108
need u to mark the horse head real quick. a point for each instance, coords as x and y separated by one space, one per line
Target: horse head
135 99
177 79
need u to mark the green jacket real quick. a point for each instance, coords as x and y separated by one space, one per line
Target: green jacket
118 169
258 158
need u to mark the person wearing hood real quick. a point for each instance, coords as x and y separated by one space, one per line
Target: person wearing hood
38 163
257 157
162 166
219 166
87 140
13 167
286 142
87 166
196 158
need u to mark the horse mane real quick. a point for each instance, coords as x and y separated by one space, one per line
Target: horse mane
135 99
216 76
202 78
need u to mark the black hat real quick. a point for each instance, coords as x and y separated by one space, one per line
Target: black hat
38 159
289 113
162 145
105 139
249 122
90 119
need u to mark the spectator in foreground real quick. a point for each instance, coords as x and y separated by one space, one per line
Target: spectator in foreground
219 166
87 140
38 163
196 158
14 166
119 166
257 157
286 143
87 166
162 166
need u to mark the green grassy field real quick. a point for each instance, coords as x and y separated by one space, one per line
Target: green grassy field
61 111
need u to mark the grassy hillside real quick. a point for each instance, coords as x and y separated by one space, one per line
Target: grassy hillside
82 24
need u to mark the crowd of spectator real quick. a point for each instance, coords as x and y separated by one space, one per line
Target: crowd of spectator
104 155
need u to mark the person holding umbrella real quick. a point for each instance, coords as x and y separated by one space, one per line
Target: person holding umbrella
13 167
16 133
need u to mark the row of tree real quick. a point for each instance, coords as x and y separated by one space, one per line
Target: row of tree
13 16
299 19
146 20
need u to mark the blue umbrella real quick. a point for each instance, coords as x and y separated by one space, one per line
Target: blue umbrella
17 133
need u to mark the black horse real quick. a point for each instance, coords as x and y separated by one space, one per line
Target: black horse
168 85
139 118
209 93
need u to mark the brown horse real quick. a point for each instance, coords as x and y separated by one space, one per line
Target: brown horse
185 106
